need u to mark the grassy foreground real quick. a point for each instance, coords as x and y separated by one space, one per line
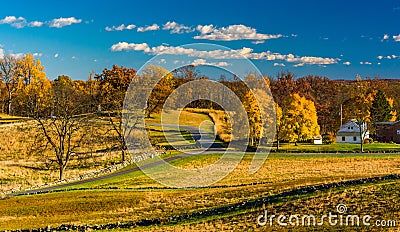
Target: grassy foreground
135 197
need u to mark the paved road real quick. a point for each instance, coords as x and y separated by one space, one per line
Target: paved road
207 143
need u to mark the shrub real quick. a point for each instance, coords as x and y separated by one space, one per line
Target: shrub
368 140
328 139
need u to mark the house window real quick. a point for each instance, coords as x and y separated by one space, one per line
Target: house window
354 138
351 128
348 128
343 138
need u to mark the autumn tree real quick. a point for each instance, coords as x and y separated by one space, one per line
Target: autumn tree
381 111
30 69
9 76
299 119
59 122
113 85
163 82
259 105
278 125
283 86
359 107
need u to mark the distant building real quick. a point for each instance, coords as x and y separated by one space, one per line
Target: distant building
318 139
388 131
350 133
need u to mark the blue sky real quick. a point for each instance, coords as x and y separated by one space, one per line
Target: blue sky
335 38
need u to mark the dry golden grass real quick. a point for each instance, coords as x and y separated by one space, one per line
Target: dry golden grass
24 164
279 173
380 201
221 122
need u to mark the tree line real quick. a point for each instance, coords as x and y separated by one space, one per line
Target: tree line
304 107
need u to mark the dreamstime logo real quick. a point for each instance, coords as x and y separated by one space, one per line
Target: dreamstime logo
330 219
144 92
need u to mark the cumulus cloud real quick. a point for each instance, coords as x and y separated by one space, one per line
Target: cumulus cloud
124 46
346 63
1 52
62 22
205 29
279 65
177 28
199 62
153 27
56 55
232 32
17 22
35 24
396 38
223 54
21 22
120 27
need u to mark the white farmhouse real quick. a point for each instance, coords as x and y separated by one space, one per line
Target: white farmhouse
350 133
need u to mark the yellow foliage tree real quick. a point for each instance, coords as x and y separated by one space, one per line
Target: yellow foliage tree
299 119
394 112
35 88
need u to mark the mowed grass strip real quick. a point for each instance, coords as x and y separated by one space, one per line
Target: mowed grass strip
279 173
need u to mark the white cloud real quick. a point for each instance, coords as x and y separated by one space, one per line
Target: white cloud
36 54
1 53
205 29
177 28
124 46
17 22
385 37
279 65
346 63
56 55
62 22
258 42
380 57
366 63
199 62
396 38
232 32
17 55
11 19
121 27
35 24
21 22
223 54
298 65
153 27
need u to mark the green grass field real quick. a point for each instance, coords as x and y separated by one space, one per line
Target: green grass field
338 147
135 197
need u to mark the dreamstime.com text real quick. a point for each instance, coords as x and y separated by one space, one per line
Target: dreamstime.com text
331 219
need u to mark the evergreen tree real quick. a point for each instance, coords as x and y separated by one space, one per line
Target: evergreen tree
381 111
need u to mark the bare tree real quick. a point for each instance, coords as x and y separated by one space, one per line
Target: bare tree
57 114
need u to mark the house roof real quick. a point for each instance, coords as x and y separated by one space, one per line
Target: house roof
387 123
